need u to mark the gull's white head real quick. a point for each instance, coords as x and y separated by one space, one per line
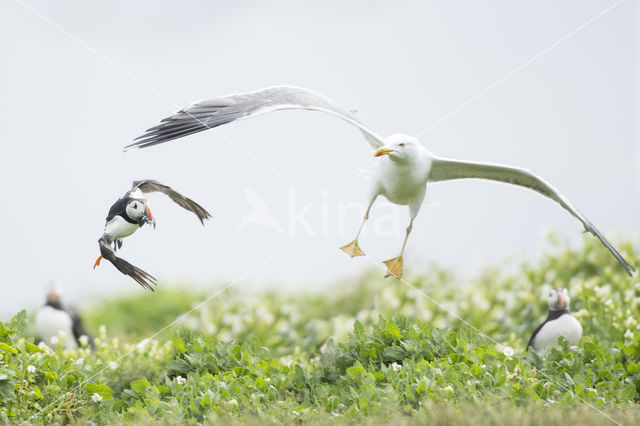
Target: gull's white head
399 147
558 299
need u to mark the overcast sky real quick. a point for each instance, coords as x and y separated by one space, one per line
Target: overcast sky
493 81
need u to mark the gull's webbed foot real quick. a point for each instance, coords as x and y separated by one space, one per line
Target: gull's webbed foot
352 249
394 267
97 262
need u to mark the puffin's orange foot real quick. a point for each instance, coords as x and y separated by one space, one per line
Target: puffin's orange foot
352 249
97 262
394 267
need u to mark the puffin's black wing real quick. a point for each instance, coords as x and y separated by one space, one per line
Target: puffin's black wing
140 276
78 328
553 315
150 185
535 333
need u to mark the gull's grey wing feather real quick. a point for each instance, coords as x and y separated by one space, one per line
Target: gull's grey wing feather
150 185
445 169
215 112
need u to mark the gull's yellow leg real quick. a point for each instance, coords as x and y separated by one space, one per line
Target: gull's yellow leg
394 266
353 249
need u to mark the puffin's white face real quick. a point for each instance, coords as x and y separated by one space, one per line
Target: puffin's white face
137 209
558 299
399 147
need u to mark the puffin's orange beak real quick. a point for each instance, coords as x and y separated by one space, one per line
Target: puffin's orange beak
147 211
560 301
97 262
382 151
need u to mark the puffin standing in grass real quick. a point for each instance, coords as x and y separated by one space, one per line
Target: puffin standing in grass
130 213
54 318
559 323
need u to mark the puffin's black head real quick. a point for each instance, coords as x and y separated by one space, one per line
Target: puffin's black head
139 211
53 296
558 299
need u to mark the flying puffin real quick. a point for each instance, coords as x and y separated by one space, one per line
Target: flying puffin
559 323
53 318
128 214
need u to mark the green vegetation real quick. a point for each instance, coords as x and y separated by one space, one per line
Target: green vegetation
371 351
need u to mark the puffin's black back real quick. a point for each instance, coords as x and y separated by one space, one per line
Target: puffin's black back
79 330
119 208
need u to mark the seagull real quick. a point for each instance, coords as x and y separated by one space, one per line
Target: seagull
559 323
54 318
130 213
402 172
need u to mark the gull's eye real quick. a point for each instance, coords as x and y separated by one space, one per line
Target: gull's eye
402 145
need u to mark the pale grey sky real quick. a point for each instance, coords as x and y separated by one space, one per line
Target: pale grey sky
70 101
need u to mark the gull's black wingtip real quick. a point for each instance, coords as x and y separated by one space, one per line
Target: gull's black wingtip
630 270
137 144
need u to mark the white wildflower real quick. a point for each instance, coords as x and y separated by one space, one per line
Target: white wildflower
53 340
62 335
113 365
181 380
79 361
96 397
142 344
508 351
233 402
608 302
396 366
31 369
448 388
84 340
628 334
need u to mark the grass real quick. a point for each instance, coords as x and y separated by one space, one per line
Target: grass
369 351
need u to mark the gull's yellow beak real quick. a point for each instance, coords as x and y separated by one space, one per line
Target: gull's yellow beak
382 151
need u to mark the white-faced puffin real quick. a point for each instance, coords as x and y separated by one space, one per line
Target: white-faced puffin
54 318
128 214
559 323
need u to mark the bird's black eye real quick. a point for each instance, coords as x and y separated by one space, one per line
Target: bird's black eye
402 145
135 206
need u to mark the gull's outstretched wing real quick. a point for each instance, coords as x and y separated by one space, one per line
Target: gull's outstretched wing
150 185
214 112
444 169
140 276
